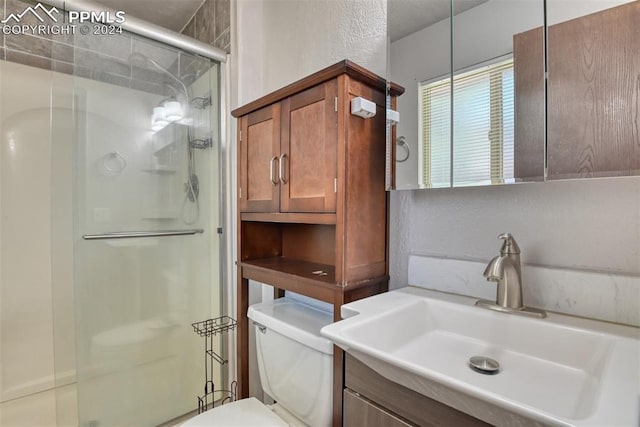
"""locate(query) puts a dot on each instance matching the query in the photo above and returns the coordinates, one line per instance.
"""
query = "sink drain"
(484, 365)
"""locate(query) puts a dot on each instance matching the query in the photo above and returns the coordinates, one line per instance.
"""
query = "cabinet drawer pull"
(272, 177)
(283, 157)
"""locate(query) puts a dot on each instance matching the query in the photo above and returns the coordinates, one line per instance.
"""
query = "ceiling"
(174, 14)
(408, 16)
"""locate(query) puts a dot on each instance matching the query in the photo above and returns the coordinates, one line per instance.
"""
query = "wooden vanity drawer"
(360, 412)
(397, 399)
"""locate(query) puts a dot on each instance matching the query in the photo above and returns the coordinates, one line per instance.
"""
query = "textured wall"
(318, 34)
(582, 224)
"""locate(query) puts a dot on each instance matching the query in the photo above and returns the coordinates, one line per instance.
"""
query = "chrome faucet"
(506, 272)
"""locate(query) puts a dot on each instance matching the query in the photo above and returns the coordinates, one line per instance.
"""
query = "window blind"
(483, 128)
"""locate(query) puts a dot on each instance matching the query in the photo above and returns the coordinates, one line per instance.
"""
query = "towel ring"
(402, 142)
(113, 163)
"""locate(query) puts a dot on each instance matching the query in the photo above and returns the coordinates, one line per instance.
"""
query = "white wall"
(585, 224)
(26, 331)
(280, 41)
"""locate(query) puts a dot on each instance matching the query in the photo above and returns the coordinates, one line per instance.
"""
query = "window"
(483, 127)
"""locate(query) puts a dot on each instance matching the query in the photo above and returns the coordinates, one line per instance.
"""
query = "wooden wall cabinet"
(592, 97)
(289, 159)
(313, 210)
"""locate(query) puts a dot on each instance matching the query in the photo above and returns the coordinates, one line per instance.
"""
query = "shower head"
(138, 58)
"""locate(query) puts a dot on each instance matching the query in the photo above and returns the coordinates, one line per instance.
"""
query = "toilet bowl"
(296, 370)
(242, 413)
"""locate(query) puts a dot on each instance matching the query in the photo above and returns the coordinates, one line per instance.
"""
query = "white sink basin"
(560, 370)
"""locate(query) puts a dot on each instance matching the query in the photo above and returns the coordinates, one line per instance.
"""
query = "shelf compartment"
(293, 275)
(160, 170)
(292, 218)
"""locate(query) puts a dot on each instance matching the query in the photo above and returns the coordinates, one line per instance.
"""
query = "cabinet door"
(308, 150)
(258, 152)
(360, 412)
(593, 95)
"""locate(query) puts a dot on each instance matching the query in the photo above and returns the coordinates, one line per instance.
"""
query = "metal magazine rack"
(209, 329)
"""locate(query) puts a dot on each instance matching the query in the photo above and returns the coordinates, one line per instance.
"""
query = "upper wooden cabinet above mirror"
(503, 121)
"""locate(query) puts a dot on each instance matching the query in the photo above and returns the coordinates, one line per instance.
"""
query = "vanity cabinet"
(374, 401)
(288, 154)
(359, 411)
(313, 210)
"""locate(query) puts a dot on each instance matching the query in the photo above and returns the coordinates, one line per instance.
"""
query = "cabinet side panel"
(260, 240)
(242, 164)
(366, 199)
(528, 64)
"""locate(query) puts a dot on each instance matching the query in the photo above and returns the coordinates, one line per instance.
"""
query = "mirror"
(498, 93)
(593, 89)
(420, 50)
(500, 123)
(467, 135)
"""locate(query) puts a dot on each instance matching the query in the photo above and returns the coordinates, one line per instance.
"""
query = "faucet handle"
(509, 246)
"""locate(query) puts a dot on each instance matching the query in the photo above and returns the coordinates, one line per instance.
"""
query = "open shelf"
(292, 218)
(308, 278)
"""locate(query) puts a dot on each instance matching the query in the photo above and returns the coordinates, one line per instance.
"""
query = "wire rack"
(211, 396)
(209, 329)
(214, 326)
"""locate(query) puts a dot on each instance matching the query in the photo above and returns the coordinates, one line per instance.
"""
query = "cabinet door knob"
(272, 177)
(283, 157)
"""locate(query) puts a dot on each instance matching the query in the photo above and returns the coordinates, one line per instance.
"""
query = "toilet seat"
(241, 413)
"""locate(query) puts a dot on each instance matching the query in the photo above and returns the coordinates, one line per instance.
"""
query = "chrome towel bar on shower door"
(138, 234)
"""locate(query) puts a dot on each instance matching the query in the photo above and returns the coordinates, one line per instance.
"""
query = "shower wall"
(211, 24)
(27, 249)
(26, 332)
(102, 58)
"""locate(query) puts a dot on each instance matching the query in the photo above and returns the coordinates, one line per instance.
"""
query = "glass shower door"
(146, 212)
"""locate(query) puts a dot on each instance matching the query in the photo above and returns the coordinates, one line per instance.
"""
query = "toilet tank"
(294, 361)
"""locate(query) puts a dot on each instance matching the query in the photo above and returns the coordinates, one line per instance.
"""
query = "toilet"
(295, 365)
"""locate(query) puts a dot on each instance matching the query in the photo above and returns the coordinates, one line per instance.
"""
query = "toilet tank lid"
(296, 320)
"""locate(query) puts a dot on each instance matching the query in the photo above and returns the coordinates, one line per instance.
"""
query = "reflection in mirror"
(593, 85)
(485, 135)
(420, 50)
(493, 140)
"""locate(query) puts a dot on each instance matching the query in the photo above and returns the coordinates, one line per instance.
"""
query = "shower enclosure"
(110, 209)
